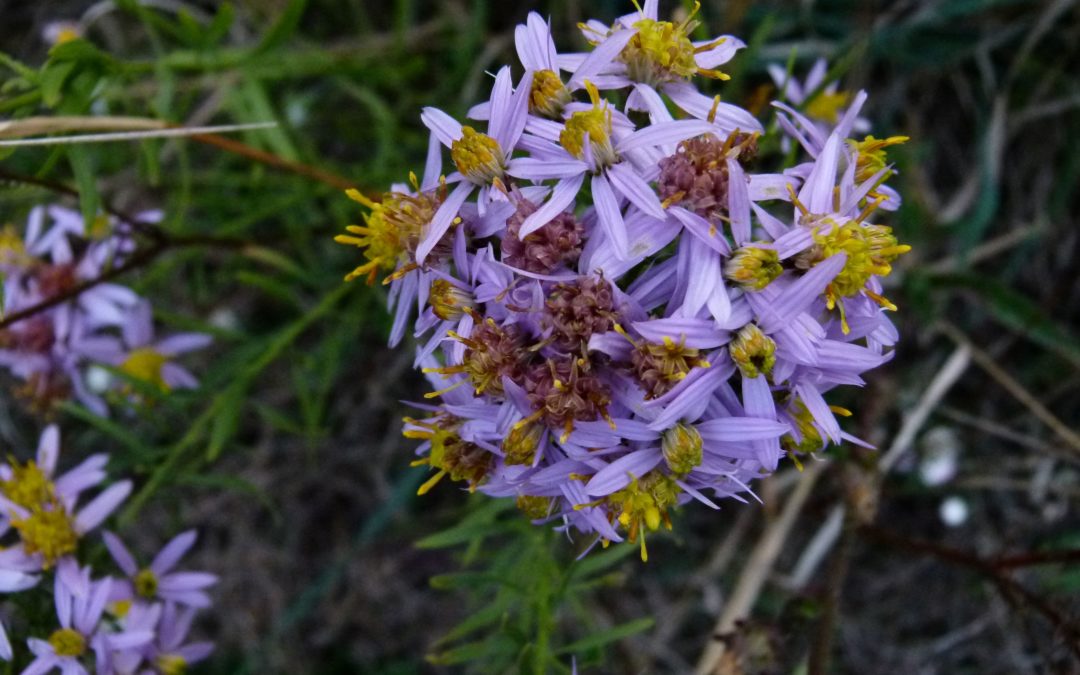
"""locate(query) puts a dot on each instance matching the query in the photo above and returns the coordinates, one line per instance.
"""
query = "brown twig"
(1010, 589)
(1035, 558)
(757, 569)
(139, 259)
(821, 646)
(1011, 385)
(263, 157)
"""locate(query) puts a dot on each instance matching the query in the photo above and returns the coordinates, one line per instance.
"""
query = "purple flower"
(79, 611)
(44, 511)
(480, 158)
(658, 56)
(139, 355)
(157, 581)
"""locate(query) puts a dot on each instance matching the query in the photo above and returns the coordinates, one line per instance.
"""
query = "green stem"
(167, 468)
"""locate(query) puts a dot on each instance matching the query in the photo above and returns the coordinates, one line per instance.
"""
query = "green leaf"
(53, 77)
(1017, 311)
(284, 27)
(597, 562)
(493, 613)
(479, 524)
(610, 635)
(24, 71)
(115, 431)
(473, 651)
(221, 24)
(274, 259)
(82, 166)
(228, 418)
(83, 51)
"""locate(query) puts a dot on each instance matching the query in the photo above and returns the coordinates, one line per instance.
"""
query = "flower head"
(619, 312)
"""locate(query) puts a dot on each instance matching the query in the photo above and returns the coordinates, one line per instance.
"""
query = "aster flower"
(139, 355)
(81, 632)
(659, 56)
(58, 252)
(601, 142)
(825, 107)
(44, 511)
(170, 652)
(480, 158)
(157, 581)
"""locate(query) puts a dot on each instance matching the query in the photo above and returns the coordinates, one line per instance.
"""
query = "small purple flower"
(139, 355)
(79, 611)
(157, 581)
(44, 511)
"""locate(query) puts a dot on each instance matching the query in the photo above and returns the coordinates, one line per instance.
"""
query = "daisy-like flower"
(157, 581)
(826, 106)
(601, 142)
(49, 349)
(659, 56)
(44, 511)
(140, 356)
(170, 653)
(81, 636)
(59, 32)
(480, 158)
(391, 233)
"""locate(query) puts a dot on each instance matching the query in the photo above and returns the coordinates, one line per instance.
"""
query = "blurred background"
(946, 551)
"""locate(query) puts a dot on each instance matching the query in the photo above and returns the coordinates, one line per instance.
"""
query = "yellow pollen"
(681, 445)
(644, 505)
(48, 531)
(869, 248)
(28, 486)
(548, 96)
(120, 608)
(146, 583)
(68, 642)
(450, 454)
(826, 106)
(753, 267)
(392, 230)
(145, 363)
(448, 302)
(809, 437)
(12, 249)
(661, 51)
(99, 227)
(478, 156)
(596, 124)
(534, 508)
(661, 366)
(872, 155)
(171, 664)
(753, 351)
(520, 444)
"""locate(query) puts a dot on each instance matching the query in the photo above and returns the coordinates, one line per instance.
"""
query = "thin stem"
(263, 157)
(139, 259)
(1010, 589)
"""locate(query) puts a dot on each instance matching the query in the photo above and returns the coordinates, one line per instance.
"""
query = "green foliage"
(529, 603)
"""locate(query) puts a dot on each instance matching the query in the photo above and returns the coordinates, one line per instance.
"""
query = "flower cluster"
(619, 311)
(137, 621)
(67, 350)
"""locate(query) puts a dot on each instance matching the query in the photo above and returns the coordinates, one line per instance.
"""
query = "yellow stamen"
(68, 642)
(431, 482)
(478, 156)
